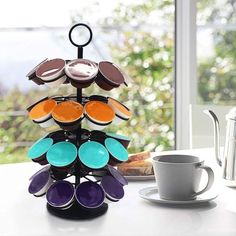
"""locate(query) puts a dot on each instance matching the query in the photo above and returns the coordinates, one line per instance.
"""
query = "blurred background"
(139, 36)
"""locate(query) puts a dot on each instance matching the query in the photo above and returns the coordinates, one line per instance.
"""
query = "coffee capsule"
(117, 151)
(60, 194)
(32, 74)
(81, 72)
(98, 114)
(45, 168)
(38, 150)
(109, 76)
(89, 194)
(117, 175)
(121, 111)
(51, 72)
(68, 115)
(113, 189)
(93, 155)
(62, 155)
(40, 183)
(41, 113)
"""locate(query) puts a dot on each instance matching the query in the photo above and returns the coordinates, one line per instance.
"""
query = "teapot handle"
(215, 120)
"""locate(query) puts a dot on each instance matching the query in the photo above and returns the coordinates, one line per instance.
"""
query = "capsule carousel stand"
(76, 210)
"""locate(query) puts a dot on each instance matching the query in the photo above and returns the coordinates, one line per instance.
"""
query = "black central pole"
(79, 92)
(80, 52)
(78, 133)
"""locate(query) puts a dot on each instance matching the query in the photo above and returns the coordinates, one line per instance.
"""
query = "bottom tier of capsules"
(106, 186)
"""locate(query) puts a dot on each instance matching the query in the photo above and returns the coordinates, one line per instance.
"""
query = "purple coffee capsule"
(113, 189)
(89, 194)
(40, 183)
(60, 194)
(45, 168)
(117, 175)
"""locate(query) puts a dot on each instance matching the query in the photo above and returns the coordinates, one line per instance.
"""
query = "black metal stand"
(76, 211)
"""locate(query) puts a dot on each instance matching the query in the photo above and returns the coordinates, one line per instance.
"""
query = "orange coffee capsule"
(42, 109)
(67, 111)
(119, 108)
(99, 111)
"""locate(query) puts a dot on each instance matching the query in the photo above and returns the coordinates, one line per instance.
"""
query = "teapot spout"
(215, 120)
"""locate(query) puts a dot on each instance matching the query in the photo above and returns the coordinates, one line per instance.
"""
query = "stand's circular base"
(78, 212)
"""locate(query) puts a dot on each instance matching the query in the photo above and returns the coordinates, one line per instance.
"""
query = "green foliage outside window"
(217, 72)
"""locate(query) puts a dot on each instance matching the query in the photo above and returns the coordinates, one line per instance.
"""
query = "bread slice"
(139, 164)
(139, 156)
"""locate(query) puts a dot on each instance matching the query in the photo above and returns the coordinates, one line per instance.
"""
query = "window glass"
(137, 35)
(216, 61)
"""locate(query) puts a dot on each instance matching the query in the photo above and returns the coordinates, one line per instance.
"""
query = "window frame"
(185, 69)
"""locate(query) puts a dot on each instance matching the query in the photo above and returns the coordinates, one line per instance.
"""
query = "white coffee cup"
(178, 176)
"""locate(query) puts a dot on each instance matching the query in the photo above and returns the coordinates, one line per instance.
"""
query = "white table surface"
(25, 215)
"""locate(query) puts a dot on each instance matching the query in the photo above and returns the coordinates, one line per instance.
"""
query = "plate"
(151, 194)
(140, 177)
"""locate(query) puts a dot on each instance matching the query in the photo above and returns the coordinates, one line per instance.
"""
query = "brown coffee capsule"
(109, 76)
(32, 74)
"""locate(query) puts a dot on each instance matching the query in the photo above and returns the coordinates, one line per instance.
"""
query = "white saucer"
(151, 194)
(139, 177)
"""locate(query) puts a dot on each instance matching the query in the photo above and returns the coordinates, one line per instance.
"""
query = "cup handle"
(210, 181)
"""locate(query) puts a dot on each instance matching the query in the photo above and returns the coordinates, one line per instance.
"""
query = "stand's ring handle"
(90, 37)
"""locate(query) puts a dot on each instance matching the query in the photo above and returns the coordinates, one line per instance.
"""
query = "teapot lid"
(231, 115)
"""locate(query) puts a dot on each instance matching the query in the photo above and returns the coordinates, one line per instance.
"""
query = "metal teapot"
(228, 162)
